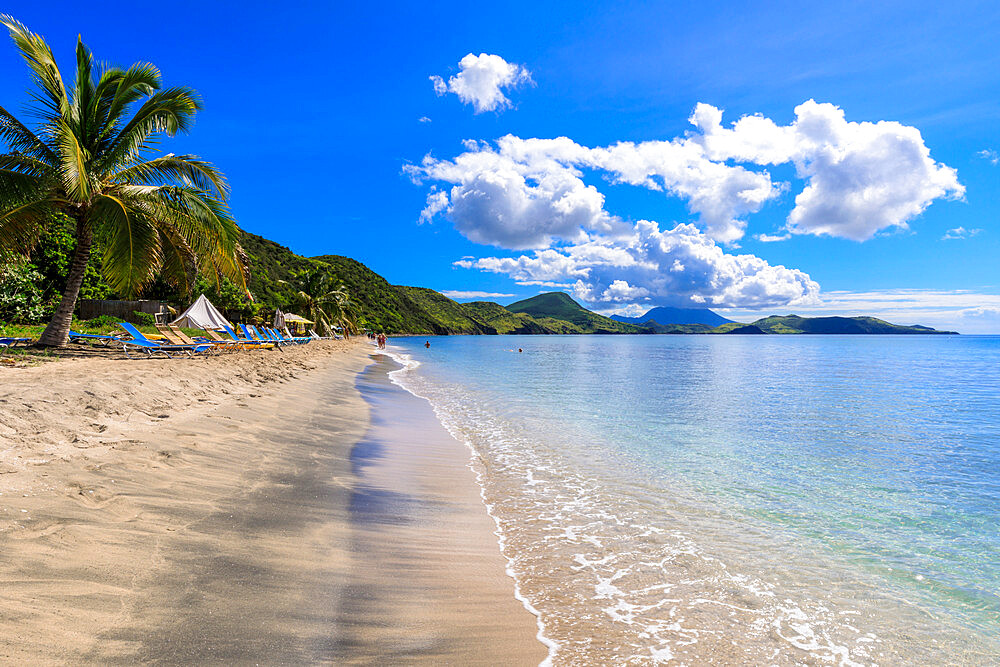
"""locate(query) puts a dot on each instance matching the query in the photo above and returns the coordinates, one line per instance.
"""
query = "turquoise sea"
(736, 499)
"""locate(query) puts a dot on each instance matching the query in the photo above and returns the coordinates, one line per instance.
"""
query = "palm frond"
(28, 165)
(202, 220)
(45, 73)
(19, 138)
(18, 186)
(179, 262)
(21, 224)
(118, 89)
(169, 111)
(171, 169)
(73, 167)
(84, 100)
(129, 244)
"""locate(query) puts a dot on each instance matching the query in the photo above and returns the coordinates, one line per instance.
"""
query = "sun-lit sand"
(210, 510)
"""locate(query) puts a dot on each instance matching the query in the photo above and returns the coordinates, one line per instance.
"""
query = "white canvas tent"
(202, 315)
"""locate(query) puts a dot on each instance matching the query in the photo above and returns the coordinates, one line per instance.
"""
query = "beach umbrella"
(279, 319)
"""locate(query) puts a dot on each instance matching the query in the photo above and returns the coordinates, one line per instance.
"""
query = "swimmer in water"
(427, 344)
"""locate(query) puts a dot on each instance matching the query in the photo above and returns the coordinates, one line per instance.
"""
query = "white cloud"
(681, 266)
(497, 200)
(480, 80)
(525, 193)
(983, 312)
(466, 294)
(959, 233)
(772, 238)
(862, 178)
(437, 201)
(424, 119)
(990, 156)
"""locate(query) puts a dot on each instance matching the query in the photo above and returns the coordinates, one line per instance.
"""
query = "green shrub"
(101, 322)
(20, 296)
(145, 319)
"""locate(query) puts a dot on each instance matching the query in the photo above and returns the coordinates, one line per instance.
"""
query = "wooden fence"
(91, 308)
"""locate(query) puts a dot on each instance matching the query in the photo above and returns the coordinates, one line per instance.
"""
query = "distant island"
(399, 309)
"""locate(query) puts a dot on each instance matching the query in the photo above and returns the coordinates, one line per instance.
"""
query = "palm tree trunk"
(56, 334)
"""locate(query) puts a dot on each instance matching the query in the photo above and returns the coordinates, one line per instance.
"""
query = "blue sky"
(314, 112)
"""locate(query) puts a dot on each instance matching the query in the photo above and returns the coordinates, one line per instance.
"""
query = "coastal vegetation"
(90, 161)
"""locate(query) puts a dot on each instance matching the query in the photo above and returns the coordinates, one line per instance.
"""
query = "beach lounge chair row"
(179, 342)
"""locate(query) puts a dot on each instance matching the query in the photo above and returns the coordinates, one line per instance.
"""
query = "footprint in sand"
(99, 498)
(36, 530)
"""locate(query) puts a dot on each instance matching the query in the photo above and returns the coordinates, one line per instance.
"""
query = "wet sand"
(428, 585)
(240, 510)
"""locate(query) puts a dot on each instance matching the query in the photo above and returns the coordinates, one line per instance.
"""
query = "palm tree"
(91, 159)
(321, 302)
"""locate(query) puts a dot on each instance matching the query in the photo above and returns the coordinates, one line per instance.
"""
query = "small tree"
(320, 301)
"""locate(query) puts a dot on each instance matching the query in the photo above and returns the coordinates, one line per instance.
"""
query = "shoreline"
(455, 603)
(206, 510)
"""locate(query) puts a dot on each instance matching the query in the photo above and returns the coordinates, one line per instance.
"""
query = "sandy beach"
(259, 507)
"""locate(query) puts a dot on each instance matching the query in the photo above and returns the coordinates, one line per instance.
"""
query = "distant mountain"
(552, 308)
(665, 315)
(793, 324)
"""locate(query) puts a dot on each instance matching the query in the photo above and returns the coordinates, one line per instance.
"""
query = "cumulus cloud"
(959, 233)
(862, 178)
(680, 266)
(990, 156)
(480, 81)
(497, 200)
(524, 193)
(467, 294)
(424, 119)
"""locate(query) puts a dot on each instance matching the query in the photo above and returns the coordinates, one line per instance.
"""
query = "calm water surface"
(741, 499)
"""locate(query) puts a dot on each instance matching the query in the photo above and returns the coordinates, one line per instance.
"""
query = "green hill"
(502, 321)
(445, 312)
(556, 309)
(793, 324)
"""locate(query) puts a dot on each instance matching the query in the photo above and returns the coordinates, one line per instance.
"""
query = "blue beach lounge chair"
(248, 340)
(14, 342)
(268, 334)
(150, 347)
(105, 340)
(295, 339)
